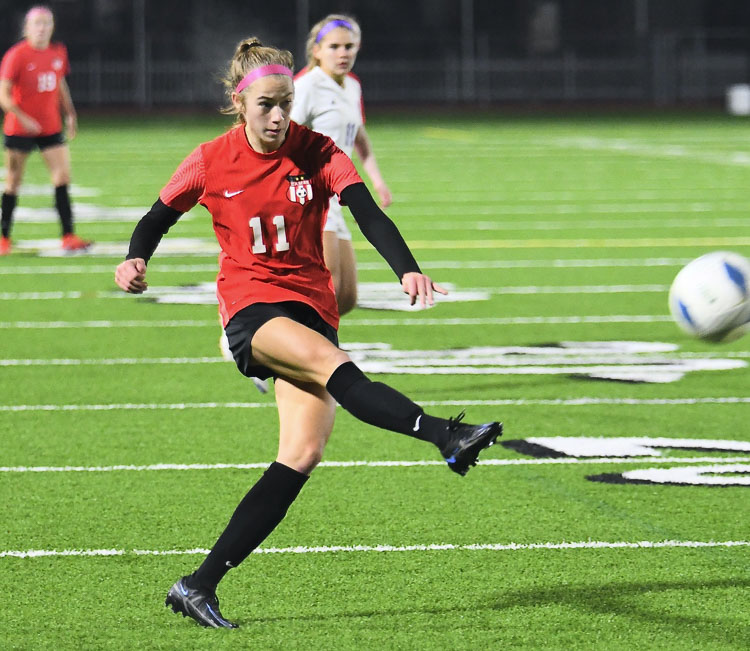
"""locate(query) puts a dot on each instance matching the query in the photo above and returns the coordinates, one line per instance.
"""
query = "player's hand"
(384, 194)
(420, 287)
(130, 276)
(71, 126)
(29, 124)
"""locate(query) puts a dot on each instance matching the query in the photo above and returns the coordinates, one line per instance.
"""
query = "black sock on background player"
(8, 206)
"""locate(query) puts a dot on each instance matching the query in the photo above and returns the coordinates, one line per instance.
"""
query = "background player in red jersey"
(266, 184)
(33, 92)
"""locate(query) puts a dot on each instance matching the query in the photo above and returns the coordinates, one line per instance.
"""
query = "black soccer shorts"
(242, 328)
(26, 144)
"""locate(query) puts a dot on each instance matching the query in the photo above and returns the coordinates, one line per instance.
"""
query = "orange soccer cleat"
(72, 242)
(4, 245)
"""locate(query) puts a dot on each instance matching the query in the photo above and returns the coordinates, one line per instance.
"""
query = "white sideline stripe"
(108, 269)
(186, 323)
(508, 289)
(558, 461)
(163, 266)
(574, 209)
(521, 402)
(495, 547)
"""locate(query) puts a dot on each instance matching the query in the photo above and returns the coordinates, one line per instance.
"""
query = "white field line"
(163, 266)
(567, 461)
(574, 243)
(520, 402)
(478, 321)
(583, 207)
(620, 224)
(649, 150)
(436, 547)
(516, 289)
(109, 269)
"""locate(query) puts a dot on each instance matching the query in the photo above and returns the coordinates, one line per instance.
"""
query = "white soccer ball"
(710, 296)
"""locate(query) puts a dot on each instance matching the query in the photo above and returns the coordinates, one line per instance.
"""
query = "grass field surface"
(615, 514)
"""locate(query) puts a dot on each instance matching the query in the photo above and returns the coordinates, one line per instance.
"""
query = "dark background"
(662, 52)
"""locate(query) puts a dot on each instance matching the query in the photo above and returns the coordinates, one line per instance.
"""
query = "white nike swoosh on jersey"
(416, 425)
(229, 194)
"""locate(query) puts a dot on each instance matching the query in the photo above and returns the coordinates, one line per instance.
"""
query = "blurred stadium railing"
(672, 69)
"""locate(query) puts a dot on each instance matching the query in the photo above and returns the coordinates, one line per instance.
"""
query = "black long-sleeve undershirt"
(375, 225)
(149, 231)
(379, 230)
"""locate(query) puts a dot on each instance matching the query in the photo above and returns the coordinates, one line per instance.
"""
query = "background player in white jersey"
(328, 99)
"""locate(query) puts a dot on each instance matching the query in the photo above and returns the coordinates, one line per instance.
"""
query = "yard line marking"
(39, 296)
(582, 207)
(480, 321)
(371, 464)
(100, 268)
(332, 549)
(509, 289)
(561, 243)
(164, 266)
(635, 148)
(508, 402)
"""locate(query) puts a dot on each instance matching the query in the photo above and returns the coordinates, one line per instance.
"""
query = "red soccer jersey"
(268, 214)
(35, 75)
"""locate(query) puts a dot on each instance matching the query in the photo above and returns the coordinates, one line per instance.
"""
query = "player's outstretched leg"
(199, 603)
(466, 442)
(380, 405)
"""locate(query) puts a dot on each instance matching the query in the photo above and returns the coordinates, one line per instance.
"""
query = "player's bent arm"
(363, 147)
(68, 110)
(383, 234)
(149, 231)
(9, 106)
(130, 275)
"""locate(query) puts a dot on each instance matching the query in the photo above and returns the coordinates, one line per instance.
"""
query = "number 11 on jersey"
(259, 245)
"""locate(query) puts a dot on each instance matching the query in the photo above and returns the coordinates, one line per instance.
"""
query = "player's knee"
(13, 182)
(60, 178)
(335, 358)
(303, 458)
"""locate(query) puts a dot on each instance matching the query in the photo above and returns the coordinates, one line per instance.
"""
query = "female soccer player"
(266, 183)
(328, 99)
(33, 91)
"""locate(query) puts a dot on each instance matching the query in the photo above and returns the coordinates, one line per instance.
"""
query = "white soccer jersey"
(324, 106)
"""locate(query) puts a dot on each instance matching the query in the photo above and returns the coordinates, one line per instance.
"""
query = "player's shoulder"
(228, 139)
(301, 73)
(58, 47)
(353, 79)
(16, 49)
(307, 78)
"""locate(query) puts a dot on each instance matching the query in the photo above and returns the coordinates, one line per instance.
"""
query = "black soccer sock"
(380, 405)
(8, 206)
(256, 516)
(62, 203)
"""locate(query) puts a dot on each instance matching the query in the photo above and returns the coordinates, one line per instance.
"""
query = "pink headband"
(263, 71)
(35, 11)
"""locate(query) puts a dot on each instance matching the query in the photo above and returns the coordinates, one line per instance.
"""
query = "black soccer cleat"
(467, 441)
(201, 605)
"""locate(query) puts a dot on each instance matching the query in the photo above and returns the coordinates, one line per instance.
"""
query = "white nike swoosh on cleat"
(229, 194)
(416, 425)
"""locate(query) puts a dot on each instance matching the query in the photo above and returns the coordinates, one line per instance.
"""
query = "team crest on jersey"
(300, 188)
(57, 64)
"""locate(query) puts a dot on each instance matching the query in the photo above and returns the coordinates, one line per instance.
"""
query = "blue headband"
(333, 24)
